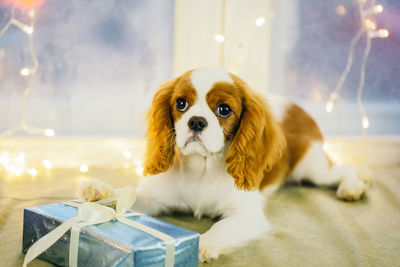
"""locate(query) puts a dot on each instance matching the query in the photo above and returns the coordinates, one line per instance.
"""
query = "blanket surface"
(310, 226)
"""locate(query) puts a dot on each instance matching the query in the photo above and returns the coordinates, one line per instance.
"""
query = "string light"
(127, 154)
(32, 13)
(219, 38)
(32, 172)
(139, 170)
(17, 166)
(84, 168)
(378, 9)
(370, 24)
(369, 30)
(341, 10)
(139, 167)
(330, 152)
(381, 33)
(260, 21)
(26, 71)
(365, 122)
(49, 132)
(47, 164)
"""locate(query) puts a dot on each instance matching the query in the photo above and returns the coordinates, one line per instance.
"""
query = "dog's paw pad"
(207, 250)
(207, 254)
(94, 190)
(351, 189)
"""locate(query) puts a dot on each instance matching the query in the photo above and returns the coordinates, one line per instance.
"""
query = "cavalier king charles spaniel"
(216, 148)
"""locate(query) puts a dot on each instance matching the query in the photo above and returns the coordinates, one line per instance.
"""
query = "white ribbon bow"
(90, 213)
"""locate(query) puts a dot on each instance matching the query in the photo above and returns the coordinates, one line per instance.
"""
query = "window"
(309, 49)
(100, 63)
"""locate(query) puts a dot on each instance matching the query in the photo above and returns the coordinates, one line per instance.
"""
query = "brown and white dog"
(216, 148)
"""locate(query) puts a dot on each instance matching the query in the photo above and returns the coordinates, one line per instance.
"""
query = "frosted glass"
(100, 64)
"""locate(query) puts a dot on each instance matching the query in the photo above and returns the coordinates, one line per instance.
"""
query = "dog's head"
(208, 111)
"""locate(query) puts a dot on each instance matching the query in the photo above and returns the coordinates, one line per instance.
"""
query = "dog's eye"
(224, 111)
(181, 104)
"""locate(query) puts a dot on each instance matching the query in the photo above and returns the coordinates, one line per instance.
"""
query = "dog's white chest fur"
(201, 185)
(207, 189)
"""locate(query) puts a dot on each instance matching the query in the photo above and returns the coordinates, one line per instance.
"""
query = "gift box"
(109, 243)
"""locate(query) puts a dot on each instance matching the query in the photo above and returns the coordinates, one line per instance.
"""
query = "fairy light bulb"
(24, 72)
(365, 122)
(127, 154)
(139, 170)
(341, 10)
(370, 24)
(49, 132)
(84, 168)
(32, 172)
(378, 9)
(47, 164)
(329, 106)
(4, 159)
(219, 38)
(28, 29)
(383, 33)
(260, 21)
(32, 13)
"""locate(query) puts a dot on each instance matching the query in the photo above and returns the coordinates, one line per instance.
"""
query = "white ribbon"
(91, 213)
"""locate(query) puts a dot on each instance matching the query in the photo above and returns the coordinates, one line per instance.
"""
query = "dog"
(216, 148)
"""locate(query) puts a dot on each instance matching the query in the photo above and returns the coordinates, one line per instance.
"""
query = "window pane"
(310, 47)
(99, 64)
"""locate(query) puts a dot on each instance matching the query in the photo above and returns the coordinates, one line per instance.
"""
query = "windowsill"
(373, 151)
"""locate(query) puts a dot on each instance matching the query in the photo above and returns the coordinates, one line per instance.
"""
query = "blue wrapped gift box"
(108, 244)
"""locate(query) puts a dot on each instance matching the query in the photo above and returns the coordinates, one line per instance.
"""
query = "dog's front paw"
(94, 190)
(351, 189)
(208, 250)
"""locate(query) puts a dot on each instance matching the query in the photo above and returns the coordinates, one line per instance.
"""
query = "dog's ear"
(258, 143)
(160, 135)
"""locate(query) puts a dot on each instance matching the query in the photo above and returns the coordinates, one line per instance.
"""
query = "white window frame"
(245, 50)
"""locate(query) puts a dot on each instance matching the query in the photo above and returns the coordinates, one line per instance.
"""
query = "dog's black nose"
(197, 124)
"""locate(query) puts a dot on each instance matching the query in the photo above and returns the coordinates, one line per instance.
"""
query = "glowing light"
(139, 170)
(32, 172)
(329, 106)
(139, 166)
(383, 33)
(47, 164)
(378, 9)
(28, 29)
(341, 10)
(260, 21)
(84, 168)
(326, 146)
(365, 122)
(4, 159)
(49, 132)
(370, 24)
(24, 72)
(127, 154)
(29, 8)
(219, 38)
(32, 13)
(21, 156)
(329, 151)
(369, 29)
